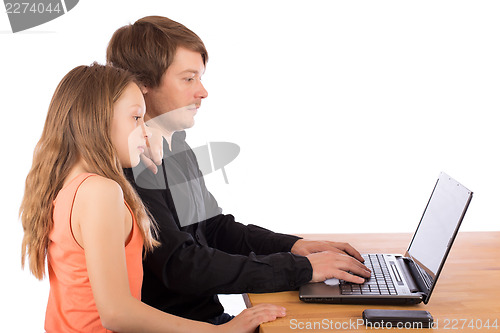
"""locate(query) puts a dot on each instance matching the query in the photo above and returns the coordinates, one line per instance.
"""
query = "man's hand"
(153, 155)
(332, 260)
(327, 265)
(304, 247)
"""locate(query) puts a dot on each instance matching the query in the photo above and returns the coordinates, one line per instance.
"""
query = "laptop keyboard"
(380, 282)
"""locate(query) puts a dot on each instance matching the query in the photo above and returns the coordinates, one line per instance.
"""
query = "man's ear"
(144, 89)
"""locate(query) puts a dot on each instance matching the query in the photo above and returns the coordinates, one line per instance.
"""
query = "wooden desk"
(467, 292)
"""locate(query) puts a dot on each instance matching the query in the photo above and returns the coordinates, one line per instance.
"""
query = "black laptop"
(408, 279)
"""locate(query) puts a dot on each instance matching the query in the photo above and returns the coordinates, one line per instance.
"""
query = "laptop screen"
(439, 224)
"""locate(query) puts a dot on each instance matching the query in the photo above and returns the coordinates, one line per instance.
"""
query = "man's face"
(175, 101)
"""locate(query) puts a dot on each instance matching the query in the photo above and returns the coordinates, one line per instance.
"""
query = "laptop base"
(310, 292)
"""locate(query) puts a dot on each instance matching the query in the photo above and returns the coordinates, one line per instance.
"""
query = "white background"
(345, 112)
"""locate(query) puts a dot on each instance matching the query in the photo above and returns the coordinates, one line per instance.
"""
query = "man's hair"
(147, 47)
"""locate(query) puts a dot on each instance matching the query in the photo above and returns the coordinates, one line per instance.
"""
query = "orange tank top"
(71, 306)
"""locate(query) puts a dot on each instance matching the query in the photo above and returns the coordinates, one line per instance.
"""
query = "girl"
(80, 212)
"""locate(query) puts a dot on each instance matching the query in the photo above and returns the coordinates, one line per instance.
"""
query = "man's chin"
(189, 124)
(188, 127)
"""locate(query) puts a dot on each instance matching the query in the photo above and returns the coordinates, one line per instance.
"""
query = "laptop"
(408, 279)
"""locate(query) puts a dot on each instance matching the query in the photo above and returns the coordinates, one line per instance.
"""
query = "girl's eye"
(137, 118)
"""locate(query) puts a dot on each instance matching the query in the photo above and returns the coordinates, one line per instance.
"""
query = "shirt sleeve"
(224, 233)
(188, 268)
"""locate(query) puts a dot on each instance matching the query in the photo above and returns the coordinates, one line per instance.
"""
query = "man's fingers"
(154, 145)
(360, 269)
(154, 150)
(349, 277)
(331, 264)
(352, 270)
(156, 155)
(353, 252)
(149, 164)
(347, 248)
(352, 265)
(152, 156)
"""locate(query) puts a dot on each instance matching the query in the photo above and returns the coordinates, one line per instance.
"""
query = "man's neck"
(168, 137)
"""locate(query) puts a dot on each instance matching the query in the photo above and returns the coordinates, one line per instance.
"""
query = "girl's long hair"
(77, 127)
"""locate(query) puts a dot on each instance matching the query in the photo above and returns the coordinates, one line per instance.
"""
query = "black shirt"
(198, 260)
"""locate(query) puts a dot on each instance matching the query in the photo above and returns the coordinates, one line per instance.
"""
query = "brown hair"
(77, 127)
(147, 47)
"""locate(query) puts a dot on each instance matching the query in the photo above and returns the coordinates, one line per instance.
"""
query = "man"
(204, 252)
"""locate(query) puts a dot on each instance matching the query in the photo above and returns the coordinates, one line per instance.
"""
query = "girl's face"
(128, 132)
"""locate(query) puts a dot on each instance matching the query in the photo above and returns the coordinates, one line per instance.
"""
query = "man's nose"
(202, 92)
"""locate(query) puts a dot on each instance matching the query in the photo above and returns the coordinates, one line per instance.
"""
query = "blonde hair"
(77, 127)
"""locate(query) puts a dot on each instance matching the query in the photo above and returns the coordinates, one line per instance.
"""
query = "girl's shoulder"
(99, 189)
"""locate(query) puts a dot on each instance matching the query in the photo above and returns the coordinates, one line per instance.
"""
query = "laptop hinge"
(403, 265)
(422, 287)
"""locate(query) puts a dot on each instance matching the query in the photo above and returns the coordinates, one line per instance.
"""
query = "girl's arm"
(99, 217)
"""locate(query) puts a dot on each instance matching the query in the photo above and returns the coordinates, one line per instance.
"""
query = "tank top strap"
(78, 180)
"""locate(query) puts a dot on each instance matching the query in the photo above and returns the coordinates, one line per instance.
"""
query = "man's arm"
(188, 268)
(224, 233)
